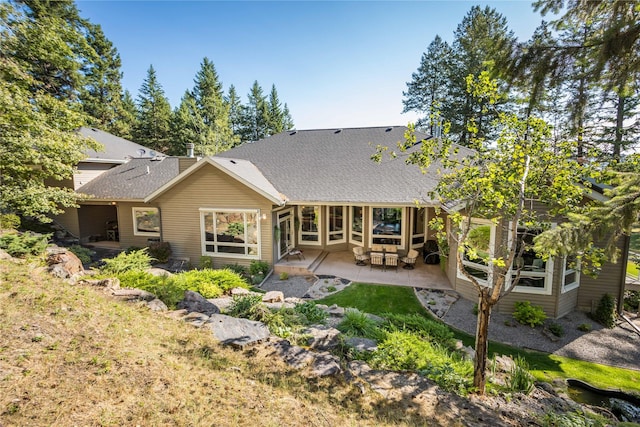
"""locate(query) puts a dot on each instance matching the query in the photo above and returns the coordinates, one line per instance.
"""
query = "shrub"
(606, 311)
(527, 314)
(331, 288)
(585, 327)
(206, 262)
(408, 351)
(160, 251)
(556, 329)
(161, 286)
(311, 312)
(9, 221)
(431, 330)
(357, 323)
(237, 268)
(23, 244)
(258, 268)
(284, 275)
(84, 254)
(243, 305)
(127, 261)
(209, 283)
(631, 300)
(520, 380)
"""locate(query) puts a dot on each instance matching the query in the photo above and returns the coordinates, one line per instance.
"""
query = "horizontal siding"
(125, 225)
(567, 302)
(209, 188)
(593, 289)
(69, 220)
(87, 172)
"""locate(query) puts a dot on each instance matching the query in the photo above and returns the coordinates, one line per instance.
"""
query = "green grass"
(377, 299)
(632, 269)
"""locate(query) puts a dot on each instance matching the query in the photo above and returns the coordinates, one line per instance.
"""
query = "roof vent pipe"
(190, 146)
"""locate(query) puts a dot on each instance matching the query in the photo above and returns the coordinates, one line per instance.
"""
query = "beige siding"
(567, 302)
(185, 163)
(89, 171)
(69, 220)
(125, 225)
(209, 188)
(608, 281)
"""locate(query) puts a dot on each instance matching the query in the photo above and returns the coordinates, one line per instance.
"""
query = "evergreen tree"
(186, 126)
(235, 111)
(101, 95)
(256, 115)
(427, 90)
(287, 120)
(482, 42)
(154, 114)
(275, 123)
(38, 142)
(126, 119)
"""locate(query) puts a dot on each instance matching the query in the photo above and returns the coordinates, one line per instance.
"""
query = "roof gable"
(116, 149)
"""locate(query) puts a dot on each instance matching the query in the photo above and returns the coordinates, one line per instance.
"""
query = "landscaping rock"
(157, 305)
(133, 295)
(273, 296)
(63, 263)
(240, 291)
(223, 303)
(237, 332)
(196, 319)
(155, 271)
(322, 337)
(362, 344)
(177, 314)
(111, 283)
(335, 310)
(279, 305)
(325, 364)
(193, 301)
(292, 355)
(4, 255)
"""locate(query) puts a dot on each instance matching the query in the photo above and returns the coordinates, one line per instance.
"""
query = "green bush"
(311, 312)
(556, 329)
(160, 251)
(359, 324)
(84, 254)
(206, 262)
(527, 314)
(22, 244)
(127, 261)
(408, 351)
(162, 287)
(209, 283)
(258, 268)
(237, 268)
(284, 275)
(585, 327)
(631, 300)
(520, 380)
(243, 305)
(606, 311)
(9, 221)
(426, 328)
(570, 419)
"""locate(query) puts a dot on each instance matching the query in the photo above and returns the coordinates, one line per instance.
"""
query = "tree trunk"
(482, 342)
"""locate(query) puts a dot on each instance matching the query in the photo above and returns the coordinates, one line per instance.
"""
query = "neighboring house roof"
(335, 166)
(115, 149)
(134, 180)
(241, 170)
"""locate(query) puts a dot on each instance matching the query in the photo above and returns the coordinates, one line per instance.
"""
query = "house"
(310, 189)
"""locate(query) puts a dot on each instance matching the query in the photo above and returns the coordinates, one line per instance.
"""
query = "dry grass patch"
(70, 355)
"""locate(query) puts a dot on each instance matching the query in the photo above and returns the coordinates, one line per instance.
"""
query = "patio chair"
(410, 260)
(377, 258)
(293, 251)
(390, 248)
(359, 255)
(391, 260)
(377, 248)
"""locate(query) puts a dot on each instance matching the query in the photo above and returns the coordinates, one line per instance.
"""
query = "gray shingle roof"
(134, 180)
(116, 149)
(334, 165)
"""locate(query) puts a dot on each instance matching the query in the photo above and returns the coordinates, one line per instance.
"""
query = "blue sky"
(335, 63)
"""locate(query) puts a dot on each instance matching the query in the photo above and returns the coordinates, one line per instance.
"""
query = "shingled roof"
(335, 166)
(134, 180)
(116, 149)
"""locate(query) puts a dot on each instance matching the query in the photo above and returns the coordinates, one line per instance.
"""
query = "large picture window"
(357, 217)
(146, 222)
(336, 224)
(478, 250)
(535, 272)
(387, 226)
(230, 233)
(310, 225)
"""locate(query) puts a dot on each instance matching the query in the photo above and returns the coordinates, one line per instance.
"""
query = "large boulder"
(273, 296)
(63, 263)
(235, 331)
(193, 301)
(133, 295)
(322, 337)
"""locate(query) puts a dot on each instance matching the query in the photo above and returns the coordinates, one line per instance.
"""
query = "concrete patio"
(342, 264)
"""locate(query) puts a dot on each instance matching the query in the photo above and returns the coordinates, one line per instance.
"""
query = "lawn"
(378, 299)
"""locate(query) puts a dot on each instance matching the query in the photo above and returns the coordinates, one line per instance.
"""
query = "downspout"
(623, 276)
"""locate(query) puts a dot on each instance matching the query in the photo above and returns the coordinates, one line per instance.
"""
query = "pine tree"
(235, 110)
(186, 126)
(154, 115)
(427, 90)
(126, 117)
(256, 115)
(287, 120)
(275, 123)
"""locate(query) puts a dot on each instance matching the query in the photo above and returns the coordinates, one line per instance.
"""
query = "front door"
(285, 228)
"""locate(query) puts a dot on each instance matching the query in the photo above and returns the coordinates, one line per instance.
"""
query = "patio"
(342, 264)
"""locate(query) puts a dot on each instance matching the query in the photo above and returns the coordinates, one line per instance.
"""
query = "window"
(478, 250)
(357, 217)
(418, 228)
(336, 224)
(146, 222)
(230, 233)
(535, 272)
(387, 226)
(570, 273)
(309, 225)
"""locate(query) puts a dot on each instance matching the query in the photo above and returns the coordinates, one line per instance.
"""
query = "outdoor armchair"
(410, 260)
(359, 255)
